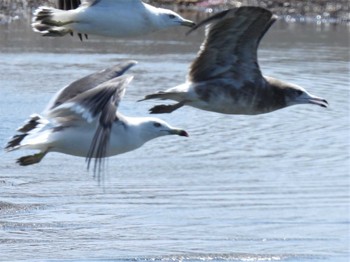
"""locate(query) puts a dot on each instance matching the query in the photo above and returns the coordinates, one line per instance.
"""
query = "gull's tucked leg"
(31, 159)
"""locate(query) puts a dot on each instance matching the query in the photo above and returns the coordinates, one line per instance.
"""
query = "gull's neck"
(140, 127)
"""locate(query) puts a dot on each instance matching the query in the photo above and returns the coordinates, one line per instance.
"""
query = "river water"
(272, 187)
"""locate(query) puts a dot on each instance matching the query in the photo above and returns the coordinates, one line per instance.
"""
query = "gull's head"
(154, 127)
(296, 95)
(168, 18)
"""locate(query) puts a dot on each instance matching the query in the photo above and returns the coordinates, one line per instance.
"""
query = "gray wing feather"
(104, 103)
(89, 82)
(100, 102)
(230, 47)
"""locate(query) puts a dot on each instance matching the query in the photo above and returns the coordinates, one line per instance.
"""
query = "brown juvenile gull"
(82, 120)
(113, 18)
(226, 78)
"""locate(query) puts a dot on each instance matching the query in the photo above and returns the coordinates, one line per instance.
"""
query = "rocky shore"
(319, 11)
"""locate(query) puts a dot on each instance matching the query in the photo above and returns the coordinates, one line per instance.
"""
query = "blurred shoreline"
(310, 11)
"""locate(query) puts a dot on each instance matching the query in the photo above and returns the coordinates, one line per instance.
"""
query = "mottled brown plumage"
(225, 77)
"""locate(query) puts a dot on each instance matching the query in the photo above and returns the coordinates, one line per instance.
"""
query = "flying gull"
(82, 120)
(113, 18)
(226, 78)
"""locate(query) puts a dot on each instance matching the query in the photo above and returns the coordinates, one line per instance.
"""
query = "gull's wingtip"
(132, 62)
(209, 20)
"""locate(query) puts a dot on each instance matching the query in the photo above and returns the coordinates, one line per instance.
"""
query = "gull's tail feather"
(31, 124)
(32, 136)
(163, 95)
(172, 95)
(52, 22)
(159, 95)
(15, 142)
(161, 109)
(34, 122)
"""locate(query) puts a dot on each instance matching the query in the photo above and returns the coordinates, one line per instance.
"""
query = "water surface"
(272, 187)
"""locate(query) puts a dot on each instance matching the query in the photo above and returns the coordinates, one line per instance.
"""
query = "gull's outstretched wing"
(95, 105)
(87, 83)
(229, 49)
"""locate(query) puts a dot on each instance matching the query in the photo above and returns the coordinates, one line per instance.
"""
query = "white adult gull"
(113, 18)
(226, 78)
(82, 120)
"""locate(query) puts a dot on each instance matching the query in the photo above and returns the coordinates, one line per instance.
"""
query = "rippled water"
(273, 187)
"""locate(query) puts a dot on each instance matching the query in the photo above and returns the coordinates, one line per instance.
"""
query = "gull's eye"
(157, 124)
(299, 92)
(171, 16)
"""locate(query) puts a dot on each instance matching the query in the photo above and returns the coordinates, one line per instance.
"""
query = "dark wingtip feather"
(209, 20)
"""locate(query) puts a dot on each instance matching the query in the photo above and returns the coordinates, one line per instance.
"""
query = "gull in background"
(226, 78)
(113, 18)
(82, 120)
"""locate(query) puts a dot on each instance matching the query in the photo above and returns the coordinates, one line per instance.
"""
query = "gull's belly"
(77, 141)
(224, 97)
(72, 141)
(226, 105)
